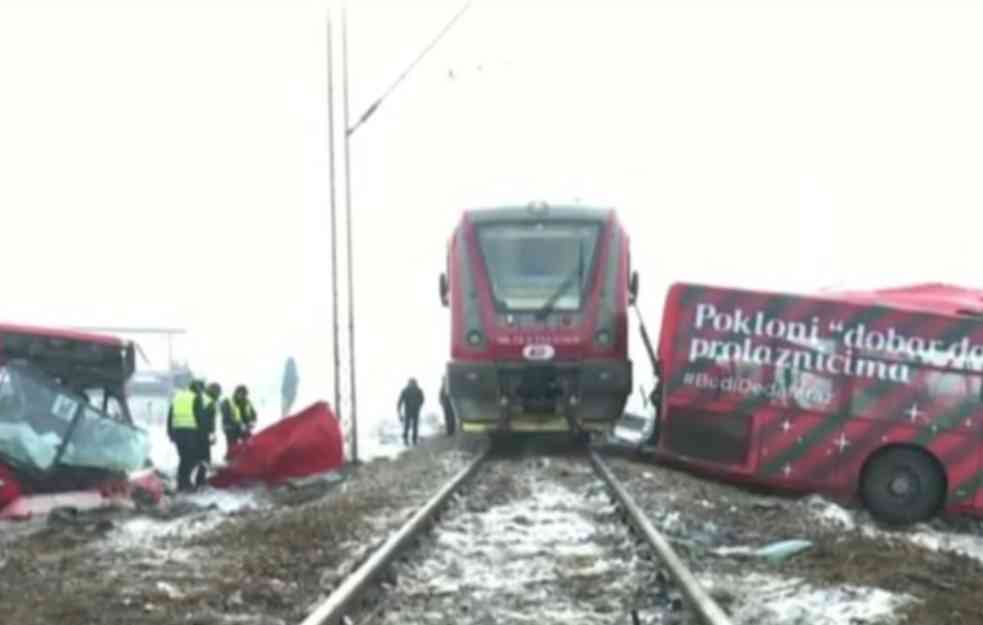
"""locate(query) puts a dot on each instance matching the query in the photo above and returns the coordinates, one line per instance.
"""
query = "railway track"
(542, 538)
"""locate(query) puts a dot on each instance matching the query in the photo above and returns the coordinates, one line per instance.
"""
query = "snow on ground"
(206, 510)
(757, 555)
(922, 534)
(259, 566)
(535, 543)
(521, 559)
(966, 544)
(763, 599)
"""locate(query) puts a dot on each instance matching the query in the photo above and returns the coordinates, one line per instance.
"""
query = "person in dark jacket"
(445, 404)
(238, 416)
(207, 403)
(183, 422)
(408, 407)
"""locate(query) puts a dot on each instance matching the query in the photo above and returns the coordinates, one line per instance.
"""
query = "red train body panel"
(872, 394)
(539, 331)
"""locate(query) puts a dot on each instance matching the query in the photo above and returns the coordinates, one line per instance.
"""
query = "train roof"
(537, 211)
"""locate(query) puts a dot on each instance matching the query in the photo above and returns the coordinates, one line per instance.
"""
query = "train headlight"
(474, 337)
(603, 337)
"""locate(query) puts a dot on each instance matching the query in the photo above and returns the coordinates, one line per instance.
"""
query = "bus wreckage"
(66, 434)
(68, 439)
(875, 396)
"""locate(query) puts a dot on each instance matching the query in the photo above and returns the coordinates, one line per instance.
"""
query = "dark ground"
(259, 567)
(269, 566)
(948, 585)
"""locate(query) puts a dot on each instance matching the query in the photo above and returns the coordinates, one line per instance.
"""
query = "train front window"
(539, 266)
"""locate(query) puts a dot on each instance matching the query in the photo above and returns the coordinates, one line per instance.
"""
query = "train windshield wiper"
(577, 277)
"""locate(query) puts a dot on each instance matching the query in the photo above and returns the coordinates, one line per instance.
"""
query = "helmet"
(214, 389)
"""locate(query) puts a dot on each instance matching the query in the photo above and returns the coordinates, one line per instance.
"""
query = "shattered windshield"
(42, 424)
(532, 266)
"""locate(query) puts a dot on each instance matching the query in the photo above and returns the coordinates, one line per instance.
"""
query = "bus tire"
(902, 486)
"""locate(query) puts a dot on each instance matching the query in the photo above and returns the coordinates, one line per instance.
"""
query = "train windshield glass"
(539, 266)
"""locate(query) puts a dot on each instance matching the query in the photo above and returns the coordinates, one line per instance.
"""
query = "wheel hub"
(903, 484)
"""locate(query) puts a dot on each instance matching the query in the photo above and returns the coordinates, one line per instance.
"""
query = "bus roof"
(933, 297)
(84, 337)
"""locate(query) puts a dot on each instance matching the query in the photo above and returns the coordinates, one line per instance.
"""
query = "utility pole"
(348, 224)
(334, 227)
(349, 130)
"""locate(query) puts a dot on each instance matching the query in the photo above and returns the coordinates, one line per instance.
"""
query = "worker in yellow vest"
(183, 424)
(238, 416)
(206, 431)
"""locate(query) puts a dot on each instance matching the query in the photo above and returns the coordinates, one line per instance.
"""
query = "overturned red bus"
(871, 395)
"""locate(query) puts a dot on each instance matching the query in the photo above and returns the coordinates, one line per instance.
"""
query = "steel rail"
(333, 609)
(707, 609)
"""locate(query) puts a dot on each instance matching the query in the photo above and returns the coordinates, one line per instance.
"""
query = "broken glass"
(44, 425)
(99, 441)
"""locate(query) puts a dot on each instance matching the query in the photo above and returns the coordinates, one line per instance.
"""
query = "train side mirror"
(633, 287)
(443, 289)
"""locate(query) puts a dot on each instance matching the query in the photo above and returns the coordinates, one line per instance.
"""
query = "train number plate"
(538, 352)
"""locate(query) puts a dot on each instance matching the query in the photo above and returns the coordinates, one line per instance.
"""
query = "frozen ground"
(938, 535)
(274, 553)
(192, 514)
(850, 571)
(793, 601)
(218, 558)
(531, 540)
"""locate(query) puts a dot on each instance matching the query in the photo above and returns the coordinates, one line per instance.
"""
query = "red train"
(539, 329)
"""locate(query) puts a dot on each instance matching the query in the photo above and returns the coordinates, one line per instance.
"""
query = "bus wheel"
(902, 486)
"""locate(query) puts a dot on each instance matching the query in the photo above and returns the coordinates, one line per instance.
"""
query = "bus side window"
(948, 391)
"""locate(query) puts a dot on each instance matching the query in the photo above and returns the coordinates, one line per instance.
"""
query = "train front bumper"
(523, 397)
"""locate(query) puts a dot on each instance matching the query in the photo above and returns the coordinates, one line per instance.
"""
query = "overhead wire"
(378, 101)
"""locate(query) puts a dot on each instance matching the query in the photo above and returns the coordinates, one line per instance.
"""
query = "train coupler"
(504, 420)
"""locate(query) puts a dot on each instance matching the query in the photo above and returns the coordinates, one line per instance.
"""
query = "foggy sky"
(166, 163)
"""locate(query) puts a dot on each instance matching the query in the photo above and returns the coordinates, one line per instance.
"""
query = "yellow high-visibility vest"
(237, 412)
(250, 411)
(183, 417)
(234, 409)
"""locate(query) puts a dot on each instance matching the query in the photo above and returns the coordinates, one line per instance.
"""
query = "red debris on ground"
(300, 445)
